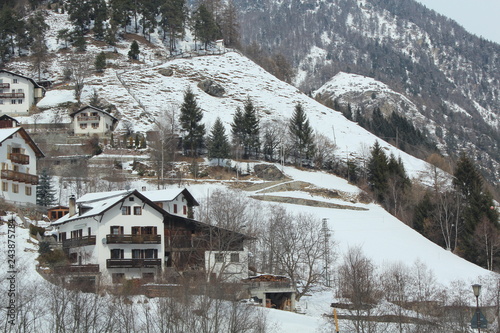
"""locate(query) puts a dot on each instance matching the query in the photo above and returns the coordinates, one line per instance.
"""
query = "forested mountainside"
(452, 76)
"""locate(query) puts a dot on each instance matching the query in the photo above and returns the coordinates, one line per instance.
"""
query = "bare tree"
(396, 282)
(77, 65)
(296, 248)
(325, 150)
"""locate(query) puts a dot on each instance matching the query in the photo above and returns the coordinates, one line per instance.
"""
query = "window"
(131, 199)
(1, 100)
(83, 126)
(20, 91)
(175, 208)
(5, 186)
(137, 210)
(62, 236)
(144, 231)
(15, 188)
(219, 257)
(12, 101)
(27, 190)
(19, 101)
(95, 125)
(116, 253)
(184, 210)
(77, 233)
(116, 230)
(126, 210)
(148, 277)
(145, 254)
(235, 257)
(117, 277)
(14, 80)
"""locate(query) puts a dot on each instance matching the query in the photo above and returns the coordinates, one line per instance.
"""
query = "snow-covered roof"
(6, 133)
(25, 77)
(169, 195)
(93, 108)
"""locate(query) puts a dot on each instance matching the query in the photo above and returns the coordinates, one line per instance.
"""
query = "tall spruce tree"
(45, 193)
(173, 20)
(134, 51)
(477, 203)
(378, 171)
(251, 128)
(217, 143)
(190, 121)
(301, 135)
(204, 25)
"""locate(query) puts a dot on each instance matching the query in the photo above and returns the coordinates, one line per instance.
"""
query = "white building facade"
(19, 156)
(90, 120)
(18, 93)
(122, 235)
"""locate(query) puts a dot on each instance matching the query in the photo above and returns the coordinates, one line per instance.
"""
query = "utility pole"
(326, 243)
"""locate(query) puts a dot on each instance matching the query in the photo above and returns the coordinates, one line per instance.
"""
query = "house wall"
(170, 206)
(227, 270)
(101, 127)
(101, 252)
(20, 105)
(7, 187)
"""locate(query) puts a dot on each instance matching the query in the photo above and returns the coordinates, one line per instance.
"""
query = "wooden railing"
(75, 242)
(133, 239)
(19, 177)
(19, 158)
(12, 95)
(88, 118)
(76, 269)
(4, 85)
(132, 263)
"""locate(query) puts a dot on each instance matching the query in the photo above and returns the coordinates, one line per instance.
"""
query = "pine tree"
(251, 129)
(378, 171)
(134, 51)
(100, 62)
(173, 20)
(204, 26)
(218, 145)
(45, 194)
(190, 119)
(301, 135)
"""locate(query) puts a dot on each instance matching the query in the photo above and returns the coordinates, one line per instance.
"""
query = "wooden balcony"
(12, 95)
(88, 118)
(133, 263)
(133, 239)
(76, 269)
(19, 177)
(4, 85)
(19, 158)
(76, 242)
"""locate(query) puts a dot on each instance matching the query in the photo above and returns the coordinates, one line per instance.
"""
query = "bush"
(53, 258)
(34, 230)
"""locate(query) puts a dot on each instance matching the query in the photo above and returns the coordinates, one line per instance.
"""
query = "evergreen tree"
(36, 29)
(251, 128)
(238, 131)
(173, 20)
(476, 205)
(378, 171)
(204, 27)
(218, 145)
(190, 119)
(100, 62)
(45, 193)
(134, 51)
(230, 26)
(99, 15)
(301, 135)
(121, 13)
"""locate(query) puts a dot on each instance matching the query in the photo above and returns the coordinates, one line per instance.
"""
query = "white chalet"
(19, 155)
(120, 235)
(18, 93)
(90, 120)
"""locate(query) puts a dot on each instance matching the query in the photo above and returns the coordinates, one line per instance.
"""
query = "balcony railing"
(76, 269)
(19, 177)
(76, 242)
(19, 158)
(88, 118)
(132, 263)
(12, 95)
(133, 239)
(4, 85)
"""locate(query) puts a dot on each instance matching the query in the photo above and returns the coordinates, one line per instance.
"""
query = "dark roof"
(25, 77)
(94, 108)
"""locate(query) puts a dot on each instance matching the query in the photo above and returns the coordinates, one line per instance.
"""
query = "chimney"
(72, 205)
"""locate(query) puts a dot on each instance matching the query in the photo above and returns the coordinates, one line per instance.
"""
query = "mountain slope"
(452, 76)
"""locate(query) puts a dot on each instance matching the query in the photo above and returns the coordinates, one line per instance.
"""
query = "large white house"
(19, 155)
(120, 235)
(18, 93)
(90, 120)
